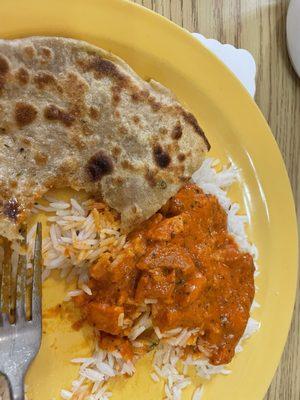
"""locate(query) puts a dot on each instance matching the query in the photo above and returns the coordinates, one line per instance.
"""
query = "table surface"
(258, 26)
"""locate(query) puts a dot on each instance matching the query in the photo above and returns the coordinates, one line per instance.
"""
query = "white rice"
(65, 394)
(76, 240)
(179, 339)
(165, 363)
(150, 301)
(97, 370)
(198, 393)
(143, 323)
(154, 377)
(121, 320)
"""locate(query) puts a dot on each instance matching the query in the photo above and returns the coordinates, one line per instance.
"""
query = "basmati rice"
(198, 393)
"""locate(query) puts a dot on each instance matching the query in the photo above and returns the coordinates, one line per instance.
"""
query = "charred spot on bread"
(116, 151)
(4, 65)
(127, 165)
(139, 95)
(4, 68)
(123, 130)
(54, 113)
(150, 178)
(177, 131)
(29, 52)
(103, 67)
(181, 157)
(46, 53)
(161, 157)
(43, 79)
(22, 76)
(99, 165)
(13, 183)
(94, 113)
(11, 209)
(136, 119)
(155, 105)
(116, 98)
(163, 131)
(40, 158)
(25, 114)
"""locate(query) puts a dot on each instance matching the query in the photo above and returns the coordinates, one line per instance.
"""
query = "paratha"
(74, 115)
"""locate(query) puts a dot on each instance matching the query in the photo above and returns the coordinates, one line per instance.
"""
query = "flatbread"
(73, 115)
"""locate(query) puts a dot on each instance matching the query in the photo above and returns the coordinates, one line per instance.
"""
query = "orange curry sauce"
(185, 259)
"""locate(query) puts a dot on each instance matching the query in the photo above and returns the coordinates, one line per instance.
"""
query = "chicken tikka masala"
(189, 271)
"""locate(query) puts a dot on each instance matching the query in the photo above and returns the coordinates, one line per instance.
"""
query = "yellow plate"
(156, 48)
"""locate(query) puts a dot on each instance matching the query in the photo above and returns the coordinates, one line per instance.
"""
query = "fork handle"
(16, 386)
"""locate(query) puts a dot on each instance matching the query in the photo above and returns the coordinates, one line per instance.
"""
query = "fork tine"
(4, 319)
(37, 276)
(21, 281)
(21, 289)
(1, 290)
(5, 291)
(1, 279)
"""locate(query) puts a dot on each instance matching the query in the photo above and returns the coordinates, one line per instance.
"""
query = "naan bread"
(73, 115)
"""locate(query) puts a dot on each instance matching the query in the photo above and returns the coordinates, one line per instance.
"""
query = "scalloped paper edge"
(239, 61)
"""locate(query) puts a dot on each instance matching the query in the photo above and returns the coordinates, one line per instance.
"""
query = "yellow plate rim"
(186, 44)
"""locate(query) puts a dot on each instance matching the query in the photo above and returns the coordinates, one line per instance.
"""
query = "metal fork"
(20, 335)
